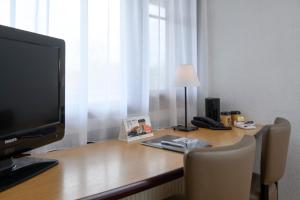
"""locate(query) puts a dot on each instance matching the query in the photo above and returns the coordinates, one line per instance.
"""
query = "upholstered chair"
(221, 173)
(274, 150)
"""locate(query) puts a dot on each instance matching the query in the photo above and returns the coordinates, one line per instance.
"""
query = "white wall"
(254, 66)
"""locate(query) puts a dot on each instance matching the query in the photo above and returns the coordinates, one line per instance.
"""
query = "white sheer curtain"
(202, 51)
(121, 57)
(173, 41)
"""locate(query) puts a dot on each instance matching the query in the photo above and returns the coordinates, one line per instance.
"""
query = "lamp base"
(184, 128)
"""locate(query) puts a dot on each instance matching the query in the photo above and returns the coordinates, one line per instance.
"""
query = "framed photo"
(135, 128)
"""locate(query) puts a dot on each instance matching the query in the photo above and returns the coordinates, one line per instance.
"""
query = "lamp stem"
(185, 105)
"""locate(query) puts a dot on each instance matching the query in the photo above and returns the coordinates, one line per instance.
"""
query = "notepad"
(175, 143)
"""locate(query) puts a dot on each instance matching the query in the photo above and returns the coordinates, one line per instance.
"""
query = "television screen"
(29, 86)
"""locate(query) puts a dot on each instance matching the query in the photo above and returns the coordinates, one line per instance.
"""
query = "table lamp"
(186, 76)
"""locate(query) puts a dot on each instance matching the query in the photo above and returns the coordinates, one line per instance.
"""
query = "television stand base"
(16, 170)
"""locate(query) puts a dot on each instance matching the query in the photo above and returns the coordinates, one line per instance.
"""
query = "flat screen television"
(32, 101)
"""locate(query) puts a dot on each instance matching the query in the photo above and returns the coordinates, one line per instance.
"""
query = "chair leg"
(276, 183)
(264, 192)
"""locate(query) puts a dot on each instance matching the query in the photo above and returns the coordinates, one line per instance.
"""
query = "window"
(5, 12)
(104, 51)
(157, 44)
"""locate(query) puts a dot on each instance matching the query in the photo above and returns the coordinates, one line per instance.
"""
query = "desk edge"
(136, 187)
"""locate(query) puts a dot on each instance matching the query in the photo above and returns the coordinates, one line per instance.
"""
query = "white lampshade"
(186, 76)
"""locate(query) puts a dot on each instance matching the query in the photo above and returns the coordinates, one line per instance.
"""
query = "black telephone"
(205, 122)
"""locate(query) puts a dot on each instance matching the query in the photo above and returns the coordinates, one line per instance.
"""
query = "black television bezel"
(29, 139)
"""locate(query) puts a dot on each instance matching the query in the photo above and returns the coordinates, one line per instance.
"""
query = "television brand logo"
(10, 140)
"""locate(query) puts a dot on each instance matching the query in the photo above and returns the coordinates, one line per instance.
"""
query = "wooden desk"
(113, 169)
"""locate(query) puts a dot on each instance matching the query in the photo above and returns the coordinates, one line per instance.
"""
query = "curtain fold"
(176, 44)
(202, 54)
(121, 59)
(134, 54)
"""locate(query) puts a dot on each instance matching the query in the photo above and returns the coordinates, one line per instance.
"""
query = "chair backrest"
(275, 143)
(220, 173)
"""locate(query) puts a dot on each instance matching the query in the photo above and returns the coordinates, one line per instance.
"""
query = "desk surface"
(113, 168)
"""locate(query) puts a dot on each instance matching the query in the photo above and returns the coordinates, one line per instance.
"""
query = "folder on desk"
(175, 143)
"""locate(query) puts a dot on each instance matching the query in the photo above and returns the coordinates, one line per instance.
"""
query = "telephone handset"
(205, 122)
